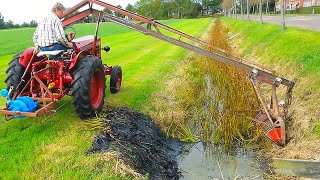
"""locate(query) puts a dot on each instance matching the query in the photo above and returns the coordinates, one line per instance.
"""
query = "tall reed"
(214, 101)
(227, 99)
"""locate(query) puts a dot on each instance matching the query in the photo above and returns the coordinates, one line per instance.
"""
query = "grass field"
(57, 148)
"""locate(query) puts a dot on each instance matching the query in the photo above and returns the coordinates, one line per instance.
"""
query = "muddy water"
(204, 162)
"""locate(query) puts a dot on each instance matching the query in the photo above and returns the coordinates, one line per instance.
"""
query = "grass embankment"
(295, 55)
(57, 148)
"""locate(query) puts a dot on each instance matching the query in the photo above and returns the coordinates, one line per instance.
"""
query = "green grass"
(57, 148)
(272, 44)
(317, 129)
(13, 41)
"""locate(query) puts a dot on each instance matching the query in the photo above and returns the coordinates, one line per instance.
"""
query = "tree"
(260, 12)
(24, 24)
(228, 6)
(156, 9)
(9, 24)
(108, 11)
(118, 14)
(130, 8)
(248, 10)
(189, 8)
(164, 9)
(241, 9)
(143, 7)
(214, 5)
(283, 11)
(33, 23)
(2, 23)
(169, 9)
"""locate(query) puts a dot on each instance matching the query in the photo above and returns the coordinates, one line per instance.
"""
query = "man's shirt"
(49, 31)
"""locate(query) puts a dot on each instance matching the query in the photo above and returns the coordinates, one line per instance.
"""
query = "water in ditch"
(210, 161)
(200, 161)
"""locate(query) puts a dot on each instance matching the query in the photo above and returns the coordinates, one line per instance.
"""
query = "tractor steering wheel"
(71, 33)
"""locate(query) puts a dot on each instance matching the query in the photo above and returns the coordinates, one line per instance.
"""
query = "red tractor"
(77, 72)
(36, 83)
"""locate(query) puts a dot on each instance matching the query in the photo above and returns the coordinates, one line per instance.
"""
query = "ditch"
(199, 127)
(144, 147)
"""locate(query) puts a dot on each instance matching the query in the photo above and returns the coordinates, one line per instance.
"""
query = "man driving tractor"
(49, 35)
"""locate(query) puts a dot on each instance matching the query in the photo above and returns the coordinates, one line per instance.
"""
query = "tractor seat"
(50, 53)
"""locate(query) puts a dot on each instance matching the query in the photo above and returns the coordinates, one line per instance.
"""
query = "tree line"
(246, 7)
(250, 6)
(166, 9)
(155, 9)
(10, 24)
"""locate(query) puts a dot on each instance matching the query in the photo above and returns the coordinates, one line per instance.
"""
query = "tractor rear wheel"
(88, 87)
(14, 74)
(115, 79)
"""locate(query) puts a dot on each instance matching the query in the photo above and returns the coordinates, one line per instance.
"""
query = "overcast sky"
(20, 11)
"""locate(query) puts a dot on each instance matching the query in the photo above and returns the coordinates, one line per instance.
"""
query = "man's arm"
(35, 37)
(35, 41)
(60, 34)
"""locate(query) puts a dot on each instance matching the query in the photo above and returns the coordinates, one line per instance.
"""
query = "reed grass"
(214, 101)
(227, 97)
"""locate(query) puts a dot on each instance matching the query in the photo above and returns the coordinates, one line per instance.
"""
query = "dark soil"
(140, 143)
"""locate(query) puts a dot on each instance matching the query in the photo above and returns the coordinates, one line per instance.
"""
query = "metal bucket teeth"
(272, 130)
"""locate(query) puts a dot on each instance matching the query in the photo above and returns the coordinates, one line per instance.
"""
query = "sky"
(20, 11)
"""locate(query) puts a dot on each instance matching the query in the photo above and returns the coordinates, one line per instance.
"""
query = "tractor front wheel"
(88, 86)
(115, 79)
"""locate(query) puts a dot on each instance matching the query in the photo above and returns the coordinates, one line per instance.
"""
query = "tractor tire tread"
(81, 86)
(113, 79)
(14, 73)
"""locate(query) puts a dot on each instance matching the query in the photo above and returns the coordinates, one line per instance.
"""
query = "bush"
(308, 10)
(295, 11)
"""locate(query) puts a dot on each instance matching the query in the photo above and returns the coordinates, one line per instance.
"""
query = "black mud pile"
(140, 143)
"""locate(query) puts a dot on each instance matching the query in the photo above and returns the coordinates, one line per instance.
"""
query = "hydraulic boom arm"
(263, 75)
(273, 124)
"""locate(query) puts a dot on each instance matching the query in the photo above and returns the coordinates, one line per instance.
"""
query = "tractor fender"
(26, 57)
(76, 59)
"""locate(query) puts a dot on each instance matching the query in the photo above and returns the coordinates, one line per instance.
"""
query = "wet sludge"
(140, 142)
